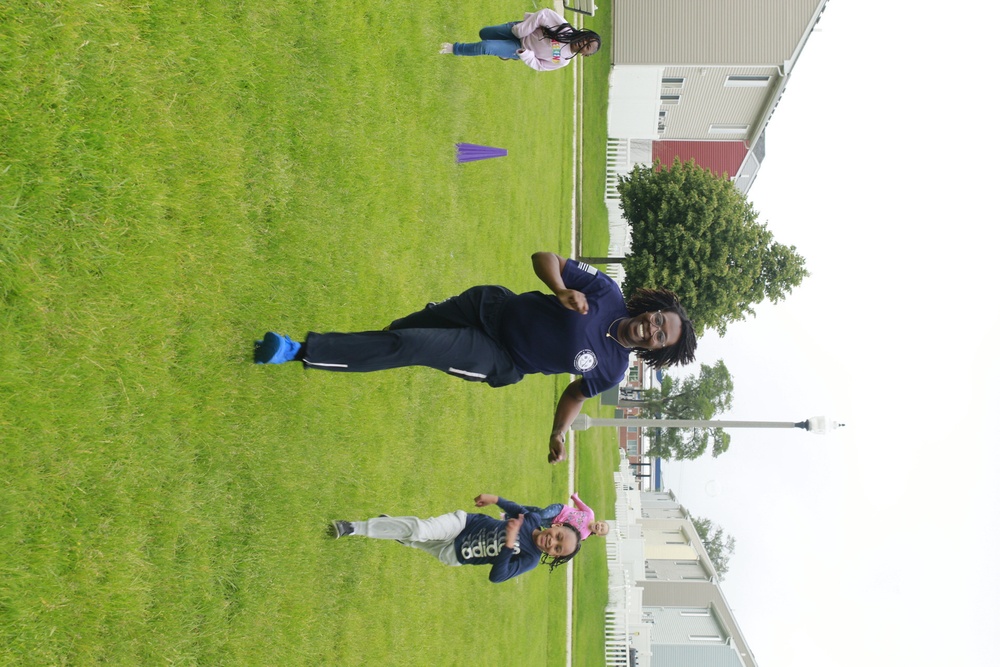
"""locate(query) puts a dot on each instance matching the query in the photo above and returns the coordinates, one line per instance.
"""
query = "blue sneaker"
(275, 349)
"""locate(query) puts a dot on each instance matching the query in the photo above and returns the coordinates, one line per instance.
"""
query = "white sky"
(873, 545)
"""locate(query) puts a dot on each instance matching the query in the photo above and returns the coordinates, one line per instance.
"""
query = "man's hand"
(513, 527)
(573, 300)
(557, 452)
(484, 499)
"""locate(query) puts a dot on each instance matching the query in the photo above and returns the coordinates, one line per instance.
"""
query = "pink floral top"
(580, 518)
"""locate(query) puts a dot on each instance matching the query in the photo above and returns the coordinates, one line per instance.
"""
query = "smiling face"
(557, 540)
(650, 331)
(600, 528)
(587, 48)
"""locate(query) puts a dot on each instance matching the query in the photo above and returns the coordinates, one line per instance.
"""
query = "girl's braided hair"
(555, 561)
(682, 352)
(567, 34)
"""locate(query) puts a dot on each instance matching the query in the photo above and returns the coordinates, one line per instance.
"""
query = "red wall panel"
(717, 156)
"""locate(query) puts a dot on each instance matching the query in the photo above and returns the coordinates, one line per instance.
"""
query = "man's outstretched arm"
(569, 406)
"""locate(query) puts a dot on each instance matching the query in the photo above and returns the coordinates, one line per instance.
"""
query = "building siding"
(693, 656)
(670, 552)
(669, 627)
(696, 594)
(719, 157)
(705, 99)
(709, 32)
(676, 570)
(680, 594)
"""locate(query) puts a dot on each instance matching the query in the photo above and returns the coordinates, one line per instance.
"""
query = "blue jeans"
(497, 40)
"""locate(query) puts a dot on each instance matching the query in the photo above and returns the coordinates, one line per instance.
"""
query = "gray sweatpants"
(436, 535)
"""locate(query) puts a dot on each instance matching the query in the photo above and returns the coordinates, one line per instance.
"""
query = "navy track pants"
(458, 336)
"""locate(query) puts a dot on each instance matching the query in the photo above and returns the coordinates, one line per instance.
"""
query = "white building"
(665, 606)
(699, 80)
(705, 71)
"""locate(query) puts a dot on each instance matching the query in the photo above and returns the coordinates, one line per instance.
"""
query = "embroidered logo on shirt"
(557, 50)
(585, 361)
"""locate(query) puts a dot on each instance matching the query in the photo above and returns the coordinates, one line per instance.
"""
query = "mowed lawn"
(177, 178)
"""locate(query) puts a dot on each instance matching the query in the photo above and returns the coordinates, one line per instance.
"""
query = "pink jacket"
(541, 53)
(580, 518)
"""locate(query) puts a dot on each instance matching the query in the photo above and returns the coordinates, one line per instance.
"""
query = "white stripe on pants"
(436, 535)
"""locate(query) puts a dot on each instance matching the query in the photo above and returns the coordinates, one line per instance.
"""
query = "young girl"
(581, 518)
(542, 41)
(511, 547)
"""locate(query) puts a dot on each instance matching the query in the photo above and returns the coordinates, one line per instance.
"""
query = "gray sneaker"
(339, 529)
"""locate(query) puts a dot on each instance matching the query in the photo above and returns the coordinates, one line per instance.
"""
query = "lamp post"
(817, 425)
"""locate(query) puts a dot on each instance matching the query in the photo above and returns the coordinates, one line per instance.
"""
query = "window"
(694, 612)
(705, 638)
(633, 429)
(671, 82)
(739, 81)
(717, 128)
(670, 99)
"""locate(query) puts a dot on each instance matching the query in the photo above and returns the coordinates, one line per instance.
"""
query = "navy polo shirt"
(543, 336)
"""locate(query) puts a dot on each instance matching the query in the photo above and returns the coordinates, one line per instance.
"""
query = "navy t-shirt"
(543, 336)
(484, 539)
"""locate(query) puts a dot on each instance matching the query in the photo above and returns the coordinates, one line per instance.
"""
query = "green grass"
(177, 178)
(597, 449)
(597, 458)
(596, 69)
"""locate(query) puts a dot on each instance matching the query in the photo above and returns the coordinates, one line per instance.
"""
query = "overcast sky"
(873, 545)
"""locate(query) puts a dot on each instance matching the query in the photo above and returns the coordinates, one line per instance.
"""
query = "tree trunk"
(601, 260)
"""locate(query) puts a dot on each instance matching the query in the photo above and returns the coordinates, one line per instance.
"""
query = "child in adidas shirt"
(510, 547)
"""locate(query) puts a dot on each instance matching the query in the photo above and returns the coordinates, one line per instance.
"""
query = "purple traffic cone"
(473, 152)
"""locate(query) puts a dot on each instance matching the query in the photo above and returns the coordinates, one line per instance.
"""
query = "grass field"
(597, 454)
(594, 87)
(176, 179)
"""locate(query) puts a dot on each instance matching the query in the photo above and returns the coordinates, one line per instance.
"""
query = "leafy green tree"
(692, 397)
(693, 232)
(720, 547)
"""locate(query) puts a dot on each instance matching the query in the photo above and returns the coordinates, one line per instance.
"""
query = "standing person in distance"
(543, 41)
